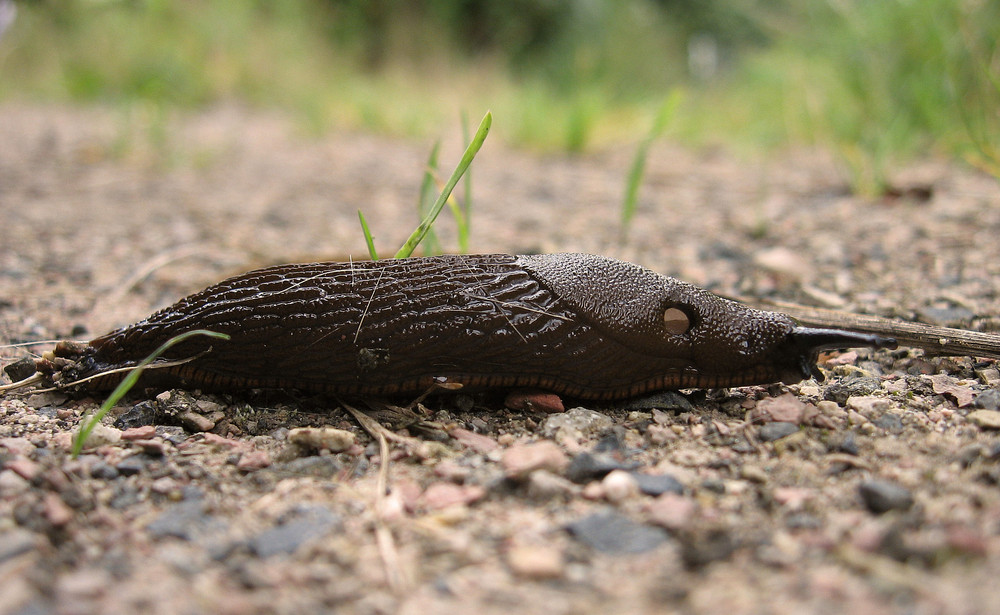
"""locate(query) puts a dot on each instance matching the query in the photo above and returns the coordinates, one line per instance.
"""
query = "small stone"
(18, 446)
(575, 424)
(614, 533)
(657, 484)
(784, 409)
(56, 511)
(988, 400)
(145, 432)
(868, 406)
(186, 520)
(849, 444)
(102, 435)
(671, 511)
(140, 415)
(25, 468)
(775, 431)
(544, 485)
(619, 486)
(192, 421)
(665, 400)
(20, 369)
(702, 548)
(16, 541)
(477, 442)
(520, 460)
(103, 471)
(533, 401)
(12, 483)
(948, 386)
(882, 496)
(890, 422)
(792, 498)
(536, 562)
(444, 495)
(131, 465)
(753, 473)
(253, 460)
(321, 438)
(586, 467)
(312, 523)
(985, 419)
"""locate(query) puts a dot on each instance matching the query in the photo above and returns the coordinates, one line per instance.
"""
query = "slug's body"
(579, 325)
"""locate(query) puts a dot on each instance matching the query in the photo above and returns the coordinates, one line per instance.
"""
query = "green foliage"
(875, 81)
(638, 167)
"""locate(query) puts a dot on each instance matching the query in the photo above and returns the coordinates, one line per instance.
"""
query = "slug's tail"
(808, 342)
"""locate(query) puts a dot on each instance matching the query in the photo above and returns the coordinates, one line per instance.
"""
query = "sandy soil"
(875, 491)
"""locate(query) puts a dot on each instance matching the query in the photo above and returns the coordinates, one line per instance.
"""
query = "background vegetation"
(877, 82)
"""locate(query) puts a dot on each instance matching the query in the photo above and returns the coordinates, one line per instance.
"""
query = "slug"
(579, 325)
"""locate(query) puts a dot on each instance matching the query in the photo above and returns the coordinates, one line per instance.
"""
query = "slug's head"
(705, 340)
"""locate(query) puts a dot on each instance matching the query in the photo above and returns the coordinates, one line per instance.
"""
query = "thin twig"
(942, 341)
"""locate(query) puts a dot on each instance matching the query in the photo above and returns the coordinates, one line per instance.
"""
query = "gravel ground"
(874, 491)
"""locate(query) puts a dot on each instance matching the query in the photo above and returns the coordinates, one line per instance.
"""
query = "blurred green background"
(877, 82)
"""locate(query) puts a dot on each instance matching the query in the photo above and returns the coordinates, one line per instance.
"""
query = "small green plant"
(445, 197)
(638, 168)
(88, 422)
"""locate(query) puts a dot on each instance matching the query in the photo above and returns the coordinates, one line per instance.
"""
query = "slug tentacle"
(576, 324)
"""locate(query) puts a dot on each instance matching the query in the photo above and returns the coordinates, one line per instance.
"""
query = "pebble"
(657, 484)
(17, 446)
(703, 548)
(477, 442)
(586, 467)
(308, 524)
(253, 460)
(56, 512)
(849, 444)
(944, 384)
(145, 432)
(533, 401)
(775, 431)
(544, 485)
(439, 496)
(521, 460)
(140, 415)
(16, 541)
(321, 438)
(131, 465)
(784, 409)
(753, 473)
(891, 422)
(988, 400)
(671, 511)
(12, 483)
(985, 419)
(666, 400)
(536, 562)
(102, 435)
(882, 496)
(619, 486)
(615, 533)
(575, 424)
(868, 406)
(192, 421)
(25, 468)
(186, 520)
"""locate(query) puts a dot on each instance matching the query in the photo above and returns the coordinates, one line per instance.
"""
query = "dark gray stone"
(142, 414)
(988, 400)
(131, 465)
(186, 520)
(614, 533)
(849, 444)
(104, 471)
(893, 423)
(882, 496)
(285, 538)
(657, 484)
(775, 431)
(586, 467)
(667, 400)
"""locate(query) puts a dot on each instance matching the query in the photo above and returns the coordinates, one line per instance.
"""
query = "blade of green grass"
(369, 240)
(88, 423)
(470, 153)
(466, 224)
(427, 194)
(638, 168)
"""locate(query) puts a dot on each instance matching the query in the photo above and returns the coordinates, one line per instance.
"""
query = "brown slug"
(580, 325)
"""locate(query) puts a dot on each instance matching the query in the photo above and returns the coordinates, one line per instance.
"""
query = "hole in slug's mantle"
(676, 321)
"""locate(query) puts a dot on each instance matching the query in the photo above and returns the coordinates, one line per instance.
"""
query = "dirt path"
(757, 500)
